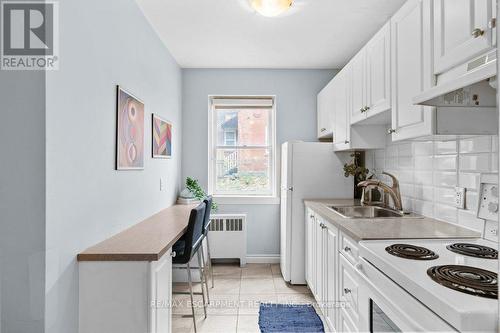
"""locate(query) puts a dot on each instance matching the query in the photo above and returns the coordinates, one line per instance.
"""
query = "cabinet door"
(358, 87)
(331, 261)
(461, 31)
(411, 70)
(161, 295)
(318, 269)
(325, 111)
(341, 133)
(378, 71)
(309, 247)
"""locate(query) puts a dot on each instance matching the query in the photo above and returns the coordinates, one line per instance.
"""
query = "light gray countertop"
(393, 228)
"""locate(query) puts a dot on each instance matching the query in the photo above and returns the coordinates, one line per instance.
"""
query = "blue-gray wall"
(295, 92)
(102, 44)
(22, 201)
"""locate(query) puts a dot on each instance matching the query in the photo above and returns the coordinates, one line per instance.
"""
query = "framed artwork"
(162, 138)
(129, 131)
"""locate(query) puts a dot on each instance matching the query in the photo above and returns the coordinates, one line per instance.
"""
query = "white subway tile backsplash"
(423, 178)
(405, 162)
(469, 220)
(445, 147)
(494, 162)
(405, 149)
(429, 171)
(445, 162)
(423, 162)
(425, 208)
(445, 179)
(480, 144)
(445, 213)
(444, 195)
(475, 162)
(424, 193)
(494, 143)
(469, 180)
(424, 148)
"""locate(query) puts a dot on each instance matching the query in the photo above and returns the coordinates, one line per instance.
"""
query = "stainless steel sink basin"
(370, 212)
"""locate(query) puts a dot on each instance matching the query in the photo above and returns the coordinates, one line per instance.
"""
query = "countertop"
(394, 228)
(145, 241)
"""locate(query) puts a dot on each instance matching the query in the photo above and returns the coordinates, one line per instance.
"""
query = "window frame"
(258, 198)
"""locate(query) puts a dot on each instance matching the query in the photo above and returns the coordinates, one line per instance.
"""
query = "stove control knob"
(494, 191)
(493, 207)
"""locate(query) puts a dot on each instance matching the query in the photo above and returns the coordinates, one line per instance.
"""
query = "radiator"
(228, 237)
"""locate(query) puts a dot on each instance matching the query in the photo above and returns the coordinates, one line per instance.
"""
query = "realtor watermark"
(29, 35)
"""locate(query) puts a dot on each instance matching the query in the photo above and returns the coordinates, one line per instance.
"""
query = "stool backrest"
(194, 233)
(208, 209)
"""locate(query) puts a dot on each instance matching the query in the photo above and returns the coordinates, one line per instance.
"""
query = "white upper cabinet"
(358, 87)
(325, 111)
(378, 72)
(463, 30)
(411, 60)
(345, 135)
(341, 101)
(371, 79)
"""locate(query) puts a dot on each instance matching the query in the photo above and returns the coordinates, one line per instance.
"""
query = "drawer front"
(349, 249)
(346, 323)
(349, 287)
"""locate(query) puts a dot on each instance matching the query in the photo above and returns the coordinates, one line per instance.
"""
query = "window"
(242, 146)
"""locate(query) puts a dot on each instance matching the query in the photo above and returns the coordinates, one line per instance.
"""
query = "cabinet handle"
(391, 130)
(311, 216)
(173, 254)
(346, 141)
(362, 110)
(493, 23)
(347, 249)
(323, 129)
(367, 108)
(477, 33)
(347, 291)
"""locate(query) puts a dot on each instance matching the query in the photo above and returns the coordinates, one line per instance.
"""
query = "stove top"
(474, 250)
(470, 280)
(463, 298)
(408, 251)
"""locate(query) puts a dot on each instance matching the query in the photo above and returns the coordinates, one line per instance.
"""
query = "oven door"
(386, 307)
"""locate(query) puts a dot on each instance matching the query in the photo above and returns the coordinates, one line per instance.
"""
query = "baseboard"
(263, 259)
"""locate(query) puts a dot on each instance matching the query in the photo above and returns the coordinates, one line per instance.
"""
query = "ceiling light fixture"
(271, 8)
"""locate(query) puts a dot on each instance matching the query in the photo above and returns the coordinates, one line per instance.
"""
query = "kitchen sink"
(370, 212)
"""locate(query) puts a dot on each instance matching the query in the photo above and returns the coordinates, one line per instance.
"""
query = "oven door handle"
(410, 322)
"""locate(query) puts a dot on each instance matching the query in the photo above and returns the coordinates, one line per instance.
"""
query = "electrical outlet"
(460, 197)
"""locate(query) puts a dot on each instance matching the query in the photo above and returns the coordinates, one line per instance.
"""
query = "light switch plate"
(460, 197)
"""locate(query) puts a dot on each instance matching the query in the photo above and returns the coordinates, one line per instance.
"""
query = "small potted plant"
(194, 190)
(355, 169)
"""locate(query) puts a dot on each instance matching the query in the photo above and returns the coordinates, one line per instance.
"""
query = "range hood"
(470, 85)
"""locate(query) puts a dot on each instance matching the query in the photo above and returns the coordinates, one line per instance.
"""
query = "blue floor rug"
(284, 318)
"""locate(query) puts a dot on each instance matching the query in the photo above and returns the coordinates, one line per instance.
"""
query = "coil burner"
(466, 279)
(411, 252)
(474, 250)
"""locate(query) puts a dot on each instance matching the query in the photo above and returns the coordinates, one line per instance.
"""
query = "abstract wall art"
(129, 131)
(162, 138)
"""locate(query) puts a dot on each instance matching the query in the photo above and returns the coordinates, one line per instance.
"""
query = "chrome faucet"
(393, 191)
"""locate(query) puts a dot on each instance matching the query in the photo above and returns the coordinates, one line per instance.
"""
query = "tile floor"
(234, 301)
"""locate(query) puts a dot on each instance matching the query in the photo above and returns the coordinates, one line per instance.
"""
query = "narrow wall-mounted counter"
(148, 240)
(125, 282)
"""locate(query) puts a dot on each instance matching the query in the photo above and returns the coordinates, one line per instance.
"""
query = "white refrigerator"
(309, 170)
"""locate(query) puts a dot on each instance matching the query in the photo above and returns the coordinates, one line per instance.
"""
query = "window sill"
(246, 200)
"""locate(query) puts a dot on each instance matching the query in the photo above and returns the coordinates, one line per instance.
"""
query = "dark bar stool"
(185, 249)
(206, 228)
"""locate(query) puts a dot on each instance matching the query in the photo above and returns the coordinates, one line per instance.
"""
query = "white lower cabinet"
(125, 296)
(330, 276)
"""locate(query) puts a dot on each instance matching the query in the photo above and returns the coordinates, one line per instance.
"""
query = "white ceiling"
(228, 34)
